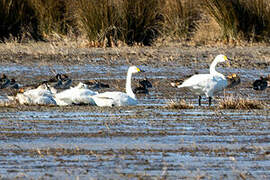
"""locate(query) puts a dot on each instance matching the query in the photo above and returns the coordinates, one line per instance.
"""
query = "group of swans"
(200, 84)
(46, 94)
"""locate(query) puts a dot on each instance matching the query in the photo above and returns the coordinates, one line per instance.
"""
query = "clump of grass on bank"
(241, 19)
(97, 19)
(53, 15)
(17, 20)
(240, 103)
(180, 18)
(111, 22)
(142, 21)
(182, 104)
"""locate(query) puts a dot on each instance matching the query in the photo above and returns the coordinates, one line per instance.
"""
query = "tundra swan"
(79, 94)
(119, 98)
(207, 84)
(42, 95)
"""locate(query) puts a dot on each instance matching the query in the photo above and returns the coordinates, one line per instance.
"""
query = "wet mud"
(147, 141)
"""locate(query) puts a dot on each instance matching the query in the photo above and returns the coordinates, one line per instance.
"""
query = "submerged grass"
(231, 102)
(182, 104)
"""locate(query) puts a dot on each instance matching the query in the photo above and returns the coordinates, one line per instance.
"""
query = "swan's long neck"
(128, 85)
(213, 67)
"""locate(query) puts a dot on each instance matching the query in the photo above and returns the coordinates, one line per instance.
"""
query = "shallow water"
(136, 142)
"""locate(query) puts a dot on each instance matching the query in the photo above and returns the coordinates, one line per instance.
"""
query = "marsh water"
(147, 141)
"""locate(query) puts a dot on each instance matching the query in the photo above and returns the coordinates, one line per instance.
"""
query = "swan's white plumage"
(119, 98)
(39, 96)
(79, 94)
(207, 84)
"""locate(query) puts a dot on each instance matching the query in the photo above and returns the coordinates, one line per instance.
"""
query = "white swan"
(119, 98)
(79, 94)
(207, 84)
(42, 95)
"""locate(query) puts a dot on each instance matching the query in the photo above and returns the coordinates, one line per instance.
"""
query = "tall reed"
(16, 18)
(241, 19)
(52, 15)
(180, 17)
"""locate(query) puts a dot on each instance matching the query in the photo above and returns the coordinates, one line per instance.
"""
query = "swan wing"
(114, 99)
(75, 96)
(205, 84)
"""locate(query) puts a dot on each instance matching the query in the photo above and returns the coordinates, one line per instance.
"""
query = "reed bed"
(109, 22)
(231, 102)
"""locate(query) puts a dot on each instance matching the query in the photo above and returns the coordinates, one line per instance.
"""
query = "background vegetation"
(109, 22)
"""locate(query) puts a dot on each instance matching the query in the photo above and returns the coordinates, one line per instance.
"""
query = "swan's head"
(222, 58)
(133, 69)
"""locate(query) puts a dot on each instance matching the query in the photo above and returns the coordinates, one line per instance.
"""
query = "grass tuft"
(241, 19)
(240, 103)
(17, 19)
(182, 104)
(180, 18)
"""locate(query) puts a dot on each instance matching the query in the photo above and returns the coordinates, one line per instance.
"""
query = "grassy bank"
(113, 22)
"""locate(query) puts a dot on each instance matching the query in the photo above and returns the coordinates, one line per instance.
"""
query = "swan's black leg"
(200, 100)
(210, 101)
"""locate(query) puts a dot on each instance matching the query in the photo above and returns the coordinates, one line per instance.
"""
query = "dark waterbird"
(143, 87)
(262, 83)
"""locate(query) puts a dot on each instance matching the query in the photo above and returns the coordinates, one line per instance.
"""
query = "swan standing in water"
(79, 94)
(119, 98)
(207, 84)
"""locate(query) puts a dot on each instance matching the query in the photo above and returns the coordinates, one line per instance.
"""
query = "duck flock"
(58, 90)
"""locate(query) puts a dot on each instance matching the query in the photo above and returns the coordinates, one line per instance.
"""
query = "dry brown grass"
(207, 31)
(231, 102)
(182, 104)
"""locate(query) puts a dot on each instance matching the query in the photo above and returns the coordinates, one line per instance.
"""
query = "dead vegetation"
(113, 22)
(182, 104)
(232, 102)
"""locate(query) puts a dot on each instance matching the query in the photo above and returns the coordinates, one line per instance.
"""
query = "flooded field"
(148, 141)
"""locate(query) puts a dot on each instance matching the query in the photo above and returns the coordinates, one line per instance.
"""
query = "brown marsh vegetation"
(109, 22)
(231, 102)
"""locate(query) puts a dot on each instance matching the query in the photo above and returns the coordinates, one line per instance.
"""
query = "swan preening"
(207, 84)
